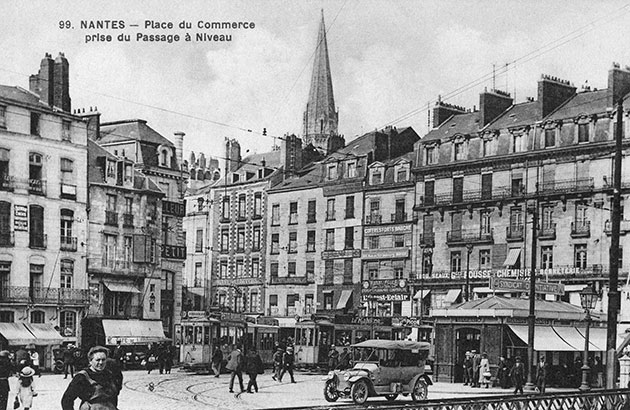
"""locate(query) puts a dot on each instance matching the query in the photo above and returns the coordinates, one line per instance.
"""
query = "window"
(373, 271)
(583, 132)
(5, 180)
(330, 209)
(550, 137)
(308, 303)
(518, 143)
(351, 168)
(402, 172)
(225, 208)
(427, 263)
(275, 214)
(291, 269)
(257, 204)
(3, 116)
(347, 271)
(399, 241)
(35, 172)
(253, 299)
(240, 237)
(349, 242)
(429, 192)
(109, 250)
(328, 300)
(256, 238)
(310, 270)
(68, 242)
(376, 176)
(5, 273)
(350, 206)
(37, 239)
(329, 271)
(242, 209)
(456, 261)
(111, 202)
(67, 272)
(7, 316)
(546, 260)
(223, 269)
(275, 243)
(517, 185)
(430, 155)
(310, 241)
(400, 215)
(128, 250)
(486, 147)
(458, 151)
(67, 169)
(330, 239)
(292, 242)
(36, 278)
(34, 123)
(164, 157)
(484, 258)
(580, 256)
(312, 208)
(485, 224)
(516, 218)
(239, 268)
(199, 241)
(68, 322)
(399, 269)
(373, 242)
(458, 189)
(486, 186)
(293, 213)
(273, 269)
(332, 171)
(547, 218)
(38, 316)
(65, 130)
(222, 300)
(255, 268)
(129, 205)
(225, 240)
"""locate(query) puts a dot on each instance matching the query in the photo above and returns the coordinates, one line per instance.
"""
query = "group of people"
(160, 355)
(477, 369)
(237, 363)
(12, 366)
(338, 361)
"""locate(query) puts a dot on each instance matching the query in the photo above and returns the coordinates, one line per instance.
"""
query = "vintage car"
(382, 368)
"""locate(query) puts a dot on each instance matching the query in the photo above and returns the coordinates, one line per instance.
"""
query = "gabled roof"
(465, 124)
(23, 96)
(135, 129)
(590, 102)
(518, 115)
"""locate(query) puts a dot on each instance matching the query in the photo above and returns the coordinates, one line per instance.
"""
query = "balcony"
(6, 183)
(53, 296)
(37, 186)
(37, 241)
(566, 186)
(547, 232)
(291, 280)
(111, 218)
(174, 252)
(581, 229)
(67, 191)
(7, 239)
(68, 243)
(373, 219)
(127, 220)
(399, 217)
(458, 238)
(624, 227)
(130, 311)
(515, 233)
(427, 239)
(114, 266)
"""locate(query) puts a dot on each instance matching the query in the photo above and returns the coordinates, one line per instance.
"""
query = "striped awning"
(512, 257)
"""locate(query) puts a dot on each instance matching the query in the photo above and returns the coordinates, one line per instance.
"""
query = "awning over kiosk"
(343, 300)
(551, 339)
(133, 331)
(45, 334)
(512, 257)
(16, 334)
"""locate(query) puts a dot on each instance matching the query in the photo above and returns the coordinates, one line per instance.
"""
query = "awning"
(452, 295)
(546, 339)
(512, 257)
(421, 294)
(121, 287)
(45, 334)
(343, 300)
(133, 331)
(286, 321)
(574, 288)
(16, 334)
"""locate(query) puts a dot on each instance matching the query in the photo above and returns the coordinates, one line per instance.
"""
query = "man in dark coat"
(476, 361)
(502, 373)
(517, 374)
(541, 374)
(68, 361)
(217, 361)
(287, 364)
(467, 369)
(344, 361)
(253, 367)
(333, 358)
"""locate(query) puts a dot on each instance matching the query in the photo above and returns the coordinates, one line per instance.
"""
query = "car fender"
(356, 378)
(424, 377)
(330, 376)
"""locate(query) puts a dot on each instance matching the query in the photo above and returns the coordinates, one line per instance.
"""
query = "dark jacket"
(92, 387)
(217, 356)
(254, 364)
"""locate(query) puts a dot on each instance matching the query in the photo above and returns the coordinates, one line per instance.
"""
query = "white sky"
(388, 58)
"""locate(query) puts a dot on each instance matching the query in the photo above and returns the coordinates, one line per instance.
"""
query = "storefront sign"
(372, 320)
(386, 253)
(387, 229)
(267, 321)
(523, 286)
(386, 297)
(20, 218)
(509, 273)
(405, 321)
(195, 314)
(384, 286)
(348, 253)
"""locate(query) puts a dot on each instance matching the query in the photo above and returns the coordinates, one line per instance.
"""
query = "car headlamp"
(346, 376)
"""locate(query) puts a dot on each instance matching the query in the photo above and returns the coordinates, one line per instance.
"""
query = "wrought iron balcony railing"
(68, 243)
(26, 294)
(290, 280)
(37, 186)
(581, 229)
(373, 219)
(427, 239)
(111, 218)
(515, 233)
(6, 183)
(399, 217)
(131, 311)
(566, 186)
(547, 232)
(465, 237)
(127, 220)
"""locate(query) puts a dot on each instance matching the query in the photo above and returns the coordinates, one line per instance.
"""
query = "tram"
(262, 335)
(312, 341)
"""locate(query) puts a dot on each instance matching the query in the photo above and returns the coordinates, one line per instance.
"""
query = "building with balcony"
(482, 174)
(43, 200)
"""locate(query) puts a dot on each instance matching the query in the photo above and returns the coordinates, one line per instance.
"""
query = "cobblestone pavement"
(181, 390)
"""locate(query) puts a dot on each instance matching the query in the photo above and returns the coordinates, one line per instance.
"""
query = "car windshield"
(390, 357)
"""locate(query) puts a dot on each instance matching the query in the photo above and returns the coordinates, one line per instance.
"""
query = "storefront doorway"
(468, 339)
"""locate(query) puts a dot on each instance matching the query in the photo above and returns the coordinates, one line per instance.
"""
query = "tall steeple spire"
(321, 118)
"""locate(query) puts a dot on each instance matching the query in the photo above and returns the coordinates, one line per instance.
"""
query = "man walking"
(476, 361)
(287, 361)
(277, 363)
(217, 361)
(518, 375)
(235, 366)
(254, 366)
(68, 362)
(541, 375)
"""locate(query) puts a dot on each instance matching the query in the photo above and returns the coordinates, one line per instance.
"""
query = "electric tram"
(312, 341)
(262, 334)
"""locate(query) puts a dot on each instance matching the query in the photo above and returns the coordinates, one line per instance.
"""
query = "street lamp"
(588, 298)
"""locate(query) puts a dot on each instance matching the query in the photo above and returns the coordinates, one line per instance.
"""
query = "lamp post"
(588, 298)
(469, 249)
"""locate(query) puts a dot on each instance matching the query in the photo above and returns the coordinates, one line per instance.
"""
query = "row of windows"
(36, 274)
(240, 239)
(291, 267)
(35, 166)
(241, 210)
(35, 126)
(242, 302)
(239, 269)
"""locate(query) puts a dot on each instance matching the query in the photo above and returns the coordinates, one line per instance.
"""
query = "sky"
(389, 59)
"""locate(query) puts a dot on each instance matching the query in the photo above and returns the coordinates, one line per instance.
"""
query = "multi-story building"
(482, 176)
(43, 221)
(160, 160)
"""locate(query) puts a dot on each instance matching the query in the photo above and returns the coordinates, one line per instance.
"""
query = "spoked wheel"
(359, 392)
(391, 397)
(330, 391)
(420, 391)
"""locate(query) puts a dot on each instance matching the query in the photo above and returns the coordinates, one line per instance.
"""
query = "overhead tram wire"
(521, 60)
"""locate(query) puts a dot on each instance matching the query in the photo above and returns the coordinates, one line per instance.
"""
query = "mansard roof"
(518, 115)
(464, 124)
(584, 103)
(132, 129)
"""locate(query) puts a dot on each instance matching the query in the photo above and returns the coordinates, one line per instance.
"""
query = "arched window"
(68, 242)
(35, 174)
(38, 316)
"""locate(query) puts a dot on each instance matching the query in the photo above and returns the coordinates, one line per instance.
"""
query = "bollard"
(624, 372)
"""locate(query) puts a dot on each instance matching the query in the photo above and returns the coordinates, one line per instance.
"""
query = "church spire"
(321, 117)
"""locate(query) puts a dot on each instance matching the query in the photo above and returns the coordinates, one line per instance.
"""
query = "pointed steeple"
(321, 118)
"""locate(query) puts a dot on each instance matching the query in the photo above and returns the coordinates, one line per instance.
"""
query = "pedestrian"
(254, 366)
(484, 371)
(35, 362)
(277, 363)
(22, 359)
(476, 359)
(168, 358)
(287, 364)
(119, 352)
(333, 358)
(541, 375)
(517, 374)
(502, 373)
(217, 361)
(161, 358)
(598, 370)
(25, 392)
(467, 365)
(95, 385)
(6, 370)
(68, 361)
(344, 361)
(235, 366)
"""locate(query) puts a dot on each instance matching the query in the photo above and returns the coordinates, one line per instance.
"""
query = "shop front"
(41, 337)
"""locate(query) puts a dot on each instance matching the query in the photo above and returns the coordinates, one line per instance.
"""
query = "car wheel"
(359, 392)
(330, 391)
(391, 397)
(420, 390)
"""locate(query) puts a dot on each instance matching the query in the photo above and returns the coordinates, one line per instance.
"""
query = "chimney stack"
(291, 154)
(52, 82)
(62, 83)
(443, 111)
(93, 119)
(553, 92)
(492, 104)
(232, 158)
(618, 84)
(179, 148)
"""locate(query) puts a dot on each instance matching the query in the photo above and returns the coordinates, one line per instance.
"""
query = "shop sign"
(372, 321)
(509, 273)
(232, 317)
(20, 218)
(384, 286)
(523, 286)
(386, 253)
(195, 314)
(405, 321)
(386, 297)
(348, 253)
(387, 229)
(267, 321)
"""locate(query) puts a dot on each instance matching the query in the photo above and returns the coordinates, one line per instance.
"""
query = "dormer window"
(583, 132)
(488, 147)
(164, 156)
(65, 130)
(550, 137)
(351, 168)
(430, 157)
(235, 177)
(376, 176)
(518, 143)
(332, 171)
(111, 169)
(458, 151)
(3, 116)
(402, 172)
